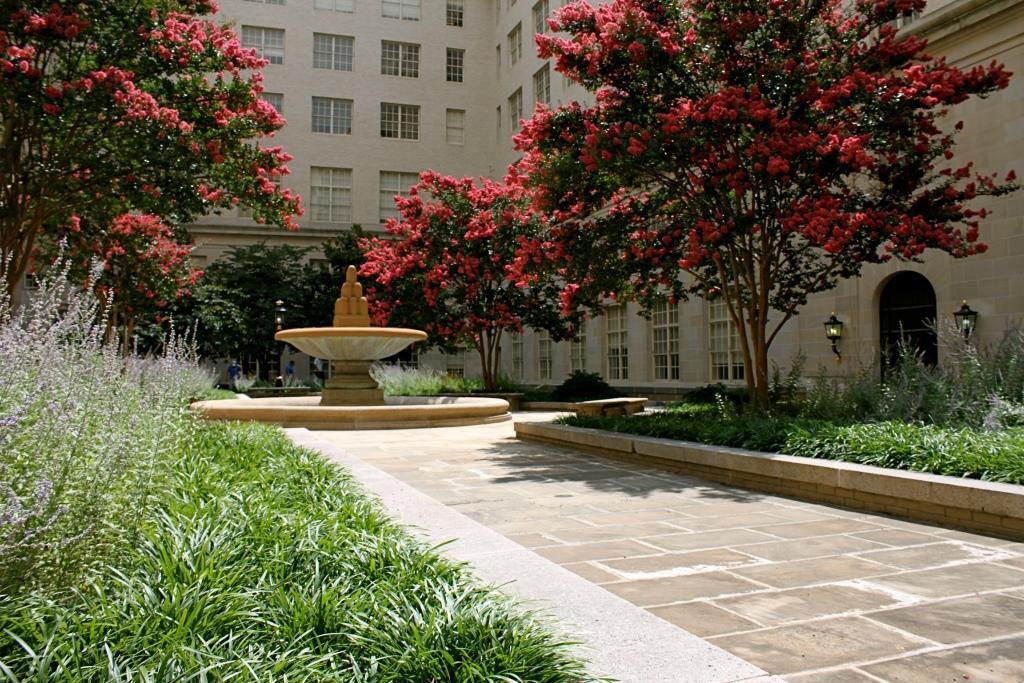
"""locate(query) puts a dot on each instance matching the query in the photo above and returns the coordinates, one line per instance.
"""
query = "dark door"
(907, 310)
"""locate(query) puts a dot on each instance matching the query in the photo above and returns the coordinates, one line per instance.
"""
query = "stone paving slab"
(620, 640)
(809, 591)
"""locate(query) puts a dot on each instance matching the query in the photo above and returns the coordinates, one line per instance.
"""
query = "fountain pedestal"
(351, 345)
(351, 385)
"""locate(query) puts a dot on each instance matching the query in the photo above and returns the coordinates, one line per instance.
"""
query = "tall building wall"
(691, 347)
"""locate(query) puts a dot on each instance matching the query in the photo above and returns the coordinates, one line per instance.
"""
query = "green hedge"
(260, 561)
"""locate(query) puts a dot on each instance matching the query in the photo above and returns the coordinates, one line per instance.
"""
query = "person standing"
(234, 373)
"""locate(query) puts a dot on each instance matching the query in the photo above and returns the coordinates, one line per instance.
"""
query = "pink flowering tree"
(117, 107)
(445, 265)
(144, 269)
(757, 151)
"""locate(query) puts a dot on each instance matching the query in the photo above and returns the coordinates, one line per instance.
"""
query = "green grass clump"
(213, 394)
(258, 561)
(958, 452)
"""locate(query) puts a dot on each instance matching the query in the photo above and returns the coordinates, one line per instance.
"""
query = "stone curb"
(620, 639)
(971, 504)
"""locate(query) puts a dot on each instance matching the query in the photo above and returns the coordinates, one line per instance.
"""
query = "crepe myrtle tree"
(136, 267)
(109, 108)
(445, 268)
(757, 150)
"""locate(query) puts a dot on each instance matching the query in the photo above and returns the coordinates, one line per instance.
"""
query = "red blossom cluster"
(131, 108)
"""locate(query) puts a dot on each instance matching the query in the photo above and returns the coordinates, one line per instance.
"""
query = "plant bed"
(257, 559)
(952, 451)
(983, 506)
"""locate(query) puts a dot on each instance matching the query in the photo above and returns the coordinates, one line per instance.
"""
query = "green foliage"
(703, 423)
(260, 561)
(233, 304)
(958, 452)
(397, 380)
(584, 386)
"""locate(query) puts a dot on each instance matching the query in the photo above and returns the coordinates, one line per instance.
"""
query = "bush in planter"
(583, 386)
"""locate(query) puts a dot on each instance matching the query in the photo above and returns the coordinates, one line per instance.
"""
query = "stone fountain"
(351, 345)
(351, 398)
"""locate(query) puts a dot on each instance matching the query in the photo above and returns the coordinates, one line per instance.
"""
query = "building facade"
(375, 91)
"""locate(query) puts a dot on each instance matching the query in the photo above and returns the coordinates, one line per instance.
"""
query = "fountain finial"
(351, 309)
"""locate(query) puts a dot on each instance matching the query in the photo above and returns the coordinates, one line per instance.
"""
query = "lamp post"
(834, 332)
(966, 319)
(279, 311)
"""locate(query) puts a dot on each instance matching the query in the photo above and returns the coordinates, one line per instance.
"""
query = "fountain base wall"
(397, 412)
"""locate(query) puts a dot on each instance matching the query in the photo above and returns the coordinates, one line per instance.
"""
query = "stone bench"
(608, 407)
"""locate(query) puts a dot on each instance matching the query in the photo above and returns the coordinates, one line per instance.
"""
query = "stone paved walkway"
(807, 591)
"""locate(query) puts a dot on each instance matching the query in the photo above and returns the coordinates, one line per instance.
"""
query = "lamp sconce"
(834, 332)
(279, 311)
(966, 319)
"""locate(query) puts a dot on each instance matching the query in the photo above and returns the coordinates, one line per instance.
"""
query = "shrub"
(80, 430)
(398, 380)
(584, 386)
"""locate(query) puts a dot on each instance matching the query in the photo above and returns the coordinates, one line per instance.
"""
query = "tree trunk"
(488, 345)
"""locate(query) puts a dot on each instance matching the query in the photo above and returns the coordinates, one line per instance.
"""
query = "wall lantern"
(279, 311)
(966, 319)
(834, 332)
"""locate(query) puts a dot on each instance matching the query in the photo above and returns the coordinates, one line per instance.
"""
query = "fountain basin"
(350, 343)
(398, 412)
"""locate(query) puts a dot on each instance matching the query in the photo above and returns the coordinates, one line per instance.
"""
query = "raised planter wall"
(971, 504)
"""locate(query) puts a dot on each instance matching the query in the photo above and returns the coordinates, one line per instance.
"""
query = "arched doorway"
(907, 313)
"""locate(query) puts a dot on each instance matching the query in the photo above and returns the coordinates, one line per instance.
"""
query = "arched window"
(907, 314)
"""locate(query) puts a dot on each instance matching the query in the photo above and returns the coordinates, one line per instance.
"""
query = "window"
(515, 44)
(275, 100)
(905, 20)
(498, 119)
(517, 355)
(399, 59)
(726, 356)
(394, 183)
(456, 363)
(331, 194)
(540, 17)
(453, 68)
(332, 52)
(542, 85)
(268, 42)
(665, 340)
(332, 115)
(543, 354)
(497, 60)
(578, 353)
(617, 339)
(400, 9)
(399, 121)
(455, 11)
(515, 108)
(455, 126)
(336, 5)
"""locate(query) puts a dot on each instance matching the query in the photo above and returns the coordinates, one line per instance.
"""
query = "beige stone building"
(377, 90)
